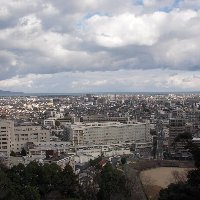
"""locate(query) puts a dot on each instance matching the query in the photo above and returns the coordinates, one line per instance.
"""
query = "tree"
(179, 192)
(68, 185)
(112, 182)
(184, 137)
(23, 152)
(190, 190)
(36, 181)
(57, 123)
(5, 191)
(179, 177)
(31, 193)
(123, 160)
(12, 153)
(95, 162)
(194, 178)
(195, 151)
(3, 167)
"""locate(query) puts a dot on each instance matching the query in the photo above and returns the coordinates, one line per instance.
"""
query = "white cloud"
(4, 13)
(53, 37)
(125, 29)
(20, 82)
(123, 80)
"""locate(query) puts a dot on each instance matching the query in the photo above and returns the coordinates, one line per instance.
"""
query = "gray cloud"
(48, 37)
(115, 81)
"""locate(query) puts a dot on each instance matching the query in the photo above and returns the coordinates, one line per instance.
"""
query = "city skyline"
(99, 46)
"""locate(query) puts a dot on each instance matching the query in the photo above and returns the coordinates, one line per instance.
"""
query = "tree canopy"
(112, 182)
(35, 181)
(190, 190)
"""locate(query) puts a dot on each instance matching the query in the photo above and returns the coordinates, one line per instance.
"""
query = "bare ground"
(155, 179)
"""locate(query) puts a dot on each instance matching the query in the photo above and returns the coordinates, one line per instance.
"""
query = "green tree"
(112, 182)
(36, 181)
(95, 162)
(68, 185)
(5, 183)
(123, 160)
(179, 191)
(16, 174)
(31, 193)
(191, 189)
(23, 152)
(57, 123)
(12, 153)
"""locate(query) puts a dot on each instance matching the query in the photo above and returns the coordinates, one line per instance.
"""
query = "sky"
(72, 46)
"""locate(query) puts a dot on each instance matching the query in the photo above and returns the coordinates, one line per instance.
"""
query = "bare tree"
(179, 177)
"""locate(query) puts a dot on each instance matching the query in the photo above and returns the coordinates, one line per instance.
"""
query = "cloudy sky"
(99, 45)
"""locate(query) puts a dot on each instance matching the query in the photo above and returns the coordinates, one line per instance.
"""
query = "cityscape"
(74, 130)
(100, 100)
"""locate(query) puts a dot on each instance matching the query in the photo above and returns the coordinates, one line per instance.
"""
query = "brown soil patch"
(155, 179)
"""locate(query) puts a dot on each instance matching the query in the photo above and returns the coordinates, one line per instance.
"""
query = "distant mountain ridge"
(9, 92)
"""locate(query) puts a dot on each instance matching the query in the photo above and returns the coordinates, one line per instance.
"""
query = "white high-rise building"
(14, 138)
(108, 132)
(6, 137)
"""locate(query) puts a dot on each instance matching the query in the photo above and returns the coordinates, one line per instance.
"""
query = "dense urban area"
(95, 146)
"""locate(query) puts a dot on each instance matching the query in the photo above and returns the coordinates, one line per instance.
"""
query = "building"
(194, 118)
(29, 133)
(102, 118)
(6, 137)
(176, 126)
(143, 150)
(14, 138)
(108, 132)
(50, 122)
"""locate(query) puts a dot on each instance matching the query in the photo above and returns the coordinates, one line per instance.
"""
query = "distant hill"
(2, 92)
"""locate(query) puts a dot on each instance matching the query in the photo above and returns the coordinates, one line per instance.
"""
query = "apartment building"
(108, 132)
(176, 126)
(14, 138)
(29, 133)
(194, 118)
(6, 137)
(102, 118)
(50, 122)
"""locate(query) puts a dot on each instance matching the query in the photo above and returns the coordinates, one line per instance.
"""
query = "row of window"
(3, 142)
(3, 147)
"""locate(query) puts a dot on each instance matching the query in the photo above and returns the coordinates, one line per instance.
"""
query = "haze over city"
(99, 45)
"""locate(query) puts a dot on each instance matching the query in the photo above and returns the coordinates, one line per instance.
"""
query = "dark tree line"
(108, 183)
(36, 181)
(112, 184)
(48, 181)
(189, 190)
